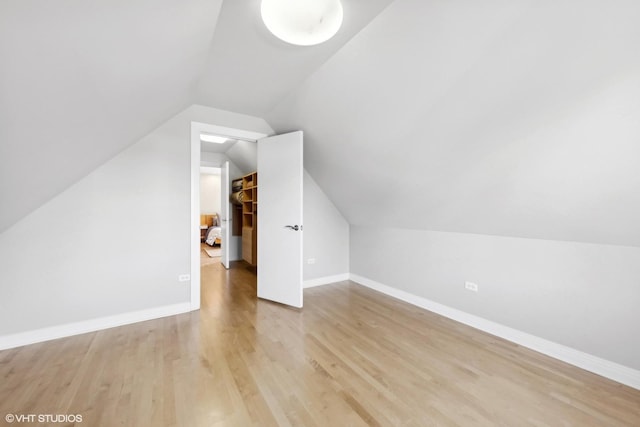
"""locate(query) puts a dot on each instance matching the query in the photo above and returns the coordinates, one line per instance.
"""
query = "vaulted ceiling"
(508, 117)
(249, 70)
(516, 118)
(82, 80)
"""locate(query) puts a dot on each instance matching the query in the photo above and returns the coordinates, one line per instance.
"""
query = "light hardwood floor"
(351, 357)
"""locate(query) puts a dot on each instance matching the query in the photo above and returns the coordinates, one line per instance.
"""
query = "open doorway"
(210, 215)
(277, 161)
(233, 152)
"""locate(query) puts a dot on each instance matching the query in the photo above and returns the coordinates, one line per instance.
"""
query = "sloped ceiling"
(508, 117)
(82, 80)
(514, 118)
(249, 70)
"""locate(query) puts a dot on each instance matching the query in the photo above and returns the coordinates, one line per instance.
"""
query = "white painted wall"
(112, 243)
(581, 295)
(216, 160)
(245, 155)
(326, 234)
(210, 198)
(212, 159)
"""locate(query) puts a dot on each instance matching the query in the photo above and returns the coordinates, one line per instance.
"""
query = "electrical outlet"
(311, 261)
(471, 286)
(184, 277)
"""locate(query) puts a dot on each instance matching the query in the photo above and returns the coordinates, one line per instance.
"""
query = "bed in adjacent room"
(211, 233)
(213, 236)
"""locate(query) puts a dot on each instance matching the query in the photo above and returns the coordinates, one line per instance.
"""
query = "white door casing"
(225, 216)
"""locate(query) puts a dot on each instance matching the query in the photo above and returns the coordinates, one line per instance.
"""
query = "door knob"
(292, 227)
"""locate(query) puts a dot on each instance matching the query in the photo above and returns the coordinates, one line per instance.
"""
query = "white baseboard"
(603, 367)
(325, 280)
(76, 328)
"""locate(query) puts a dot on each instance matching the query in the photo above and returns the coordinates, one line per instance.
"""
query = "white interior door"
(225, 215)
(280, 172)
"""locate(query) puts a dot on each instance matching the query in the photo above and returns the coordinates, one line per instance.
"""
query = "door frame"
(225, 215)
(196, 129)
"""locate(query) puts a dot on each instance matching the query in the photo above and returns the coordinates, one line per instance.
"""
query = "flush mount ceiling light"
(302, 22)
(205, 137)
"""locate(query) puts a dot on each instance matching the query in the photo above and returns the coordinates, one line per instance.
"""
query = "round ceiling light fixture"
(302, 22)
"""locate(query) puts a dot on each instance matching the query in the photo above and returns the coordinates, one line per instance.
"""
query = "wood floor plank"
(351, 357)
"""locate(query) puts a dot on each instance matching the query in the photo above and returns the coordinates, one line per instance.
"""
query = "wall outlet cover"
(471, 286)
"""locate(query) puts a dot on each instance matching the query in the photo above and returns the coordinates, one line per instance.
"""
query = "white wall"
(215, 160)
(112, 243)
(581, 295)
(210, 198)
(326, 234)
(245, 155)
